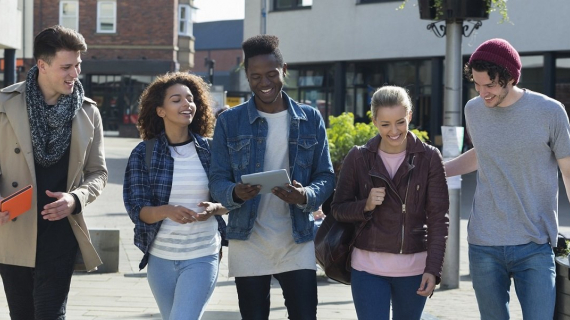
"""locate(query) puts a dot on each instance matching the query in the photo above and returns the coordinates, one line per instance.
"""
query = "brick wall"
(226, 60)
(145, 28)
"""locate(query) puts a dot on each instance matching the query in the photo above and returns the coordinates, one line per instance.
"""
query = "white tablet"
(268, 179)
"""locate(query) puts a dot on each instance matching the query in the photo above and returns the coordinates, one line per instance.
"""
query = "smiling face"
(58, 77)
(392, 124)
(490, 91)
(178, 108)
(265, 77)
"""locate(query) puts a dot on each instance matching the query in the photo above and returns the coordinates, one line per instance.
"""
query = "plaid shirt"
(141, 189)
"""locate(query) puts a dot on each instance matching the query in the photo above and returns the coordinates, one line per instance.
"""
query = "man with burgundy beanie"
(520, 139)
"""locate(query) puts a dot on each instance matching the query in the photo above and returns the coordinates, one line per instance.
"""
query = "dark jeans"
(372, 295)
(38, 293)
(299, 290)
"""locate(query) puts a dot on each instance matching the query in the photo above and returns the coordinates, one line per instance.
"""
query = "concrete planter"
(562, 311)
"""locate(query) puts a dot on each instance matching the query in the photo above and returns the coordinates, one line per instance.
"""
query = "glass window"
(375, 1)
(291, 79)
(185, 23)
(106, 17)
(563, 81)
(291, 4)
(69, 14)
(532, 73)
(402, 73)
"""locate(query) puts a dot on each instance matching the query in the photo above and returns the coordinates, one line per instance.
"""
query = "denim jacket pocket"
(306, 151)
(239, 153)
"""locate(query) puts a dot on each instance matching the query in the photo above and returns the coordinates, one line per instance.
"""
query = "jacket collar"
(199, 141)
(81, 129)
(413, 144)
(292, 107)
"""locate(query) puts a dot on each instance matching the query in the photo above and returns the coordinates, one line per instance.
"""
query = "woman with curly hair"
(169, 201)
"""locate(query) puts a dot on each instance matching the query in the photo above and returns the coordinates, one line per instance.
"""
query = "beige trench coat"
(86, 177)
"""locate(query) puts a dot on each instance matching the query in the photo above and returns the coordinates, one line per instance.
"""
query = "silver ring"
(288, 190)
(183, 218)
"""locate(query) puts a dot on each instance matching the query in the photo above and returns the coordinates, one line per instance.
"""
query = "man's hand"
(60, 208)
(4, 216)
(291, 193)
(427, 286)
(246, 191)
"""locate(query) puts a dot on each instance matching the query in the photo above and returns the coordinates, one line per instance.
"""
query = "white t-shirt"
(270, 248)
(176, 241)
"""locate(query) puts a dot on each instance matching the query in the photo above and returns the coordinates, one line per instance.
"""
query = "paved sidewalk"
(126, 294)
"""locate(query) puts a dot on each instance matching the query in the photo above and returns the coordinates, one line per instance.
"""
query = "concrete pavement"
(126, 294)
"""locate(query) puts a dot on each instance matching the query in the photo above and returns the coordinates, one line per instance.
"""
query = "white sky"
(214, 10)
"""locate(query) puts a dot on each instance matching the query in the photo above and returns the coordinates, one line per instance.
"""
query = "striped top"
(176, 241)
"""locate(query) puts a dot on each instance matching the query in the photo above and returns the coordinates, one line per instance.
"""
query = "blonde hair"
(390, 96)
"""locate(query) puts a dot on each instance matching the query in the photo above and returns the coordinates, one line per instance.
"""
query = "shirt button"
(258, 165)
(14, 184)
(17, 150)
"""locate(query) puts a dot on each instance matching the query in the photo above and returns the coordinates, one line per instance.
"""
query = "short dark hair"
(150, 124)
(493, 70)
(259, 45)
(53, 39)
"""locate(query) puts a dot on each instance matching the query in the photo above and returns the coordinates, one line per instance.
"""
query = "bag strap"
(362, 225)
(148, 154)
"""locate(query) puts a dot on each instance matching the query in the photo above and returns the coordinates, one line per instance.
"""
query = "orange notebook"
(18, 202)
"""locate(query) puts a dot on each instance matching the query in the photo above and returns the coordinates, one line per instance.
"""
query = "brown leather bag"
(334, 242)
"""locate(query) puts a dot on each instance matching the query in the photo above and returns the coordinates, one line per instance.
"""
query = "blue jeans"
(299, 290)
(531, 266)
(182, 288)
(372, 294)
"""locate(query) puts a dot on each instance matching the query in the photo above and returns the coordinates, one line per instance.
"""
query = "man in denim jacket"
(271, 234)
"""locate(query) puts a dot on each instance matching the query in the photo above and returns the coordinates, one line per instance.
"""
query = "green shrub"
(344, 134)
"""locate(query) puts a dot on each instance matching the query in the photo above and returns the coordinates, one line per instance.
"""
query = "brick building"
(220, 41)
(129, 43)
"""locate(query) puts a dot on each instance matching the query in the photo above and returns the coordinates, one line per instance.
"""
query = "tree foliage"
(343, 134)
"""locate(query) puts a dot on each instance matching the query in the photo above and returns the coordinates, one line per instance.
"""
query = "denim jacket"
(141, 189)
(239, 148)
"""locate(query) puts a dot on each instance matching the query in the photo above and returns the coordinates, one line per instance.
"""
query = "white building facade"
(11, 24)
(339, 51)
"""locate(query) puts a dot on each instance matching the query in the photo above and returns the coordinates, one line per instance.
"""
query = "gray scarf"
(50, 127)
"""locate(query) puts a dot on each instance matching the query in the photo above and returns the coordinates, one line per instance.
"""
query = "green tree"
(343, 134)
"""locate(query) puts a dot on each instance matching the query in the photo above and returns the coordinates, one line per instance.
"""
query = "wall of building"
(11, 24)
(336, 30)
(135, 37)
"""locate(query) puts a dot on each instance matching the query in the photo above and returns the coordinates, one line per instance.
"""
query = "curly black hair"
(261, 44)
(493, 70)
(150, 125)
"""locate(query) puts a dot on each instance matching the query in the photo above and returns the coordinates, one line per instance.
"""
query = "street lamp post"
(453, 30)
(210, 64)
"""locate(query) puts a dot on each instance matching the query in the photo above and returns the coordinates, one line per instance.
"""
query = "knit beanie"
(499, 52)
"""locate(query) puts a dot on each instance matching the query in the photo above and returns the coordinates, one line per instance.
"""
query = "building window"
(106, 17)
(291, 4)
(533, 76)
(376, 1)
(185, 23)
(69, 14)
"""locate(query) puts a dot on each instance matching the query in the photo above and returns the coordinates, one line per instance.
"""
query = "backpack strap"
(148, 154)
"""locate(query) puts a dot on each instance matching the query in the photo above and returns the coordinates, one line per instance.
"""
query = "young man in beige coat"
(52, 139)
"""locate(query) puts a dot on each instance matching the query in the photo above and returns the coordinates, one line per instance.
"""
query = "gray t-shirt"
(516, 199)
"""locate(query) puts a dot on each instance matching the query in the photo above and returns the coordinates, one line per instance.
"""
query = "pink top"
(389, 264)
